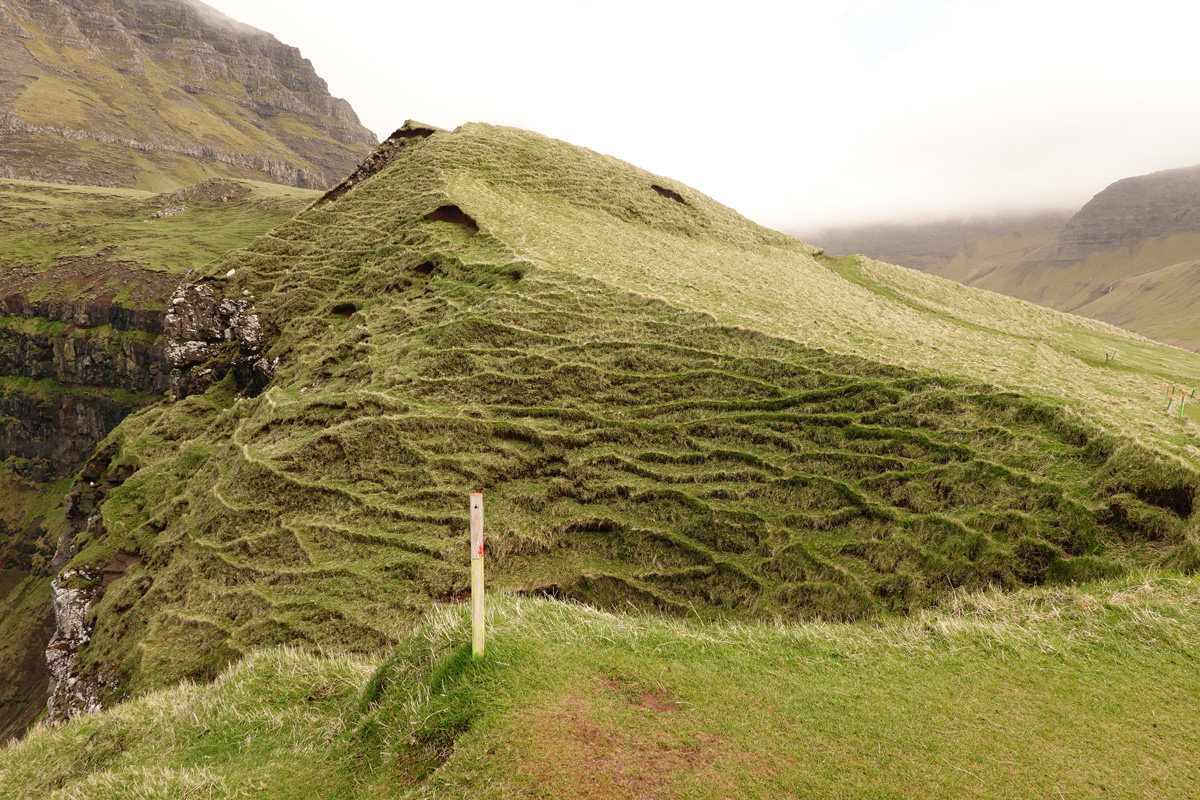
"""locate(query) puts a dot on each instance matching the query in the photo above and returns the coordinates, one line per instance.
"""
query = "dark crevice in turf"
(670, 194)
(454, 215)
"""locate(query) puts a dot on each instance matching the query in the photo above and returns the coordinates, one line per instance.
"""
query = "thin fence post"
(477, 629)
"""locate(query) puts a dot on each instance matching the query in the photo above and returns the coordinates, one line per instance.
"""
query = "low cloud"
(799, 115)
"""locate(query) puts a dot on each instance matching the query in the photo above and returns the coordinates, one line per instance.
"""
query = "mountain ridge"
(162, 94)
(1130, 256)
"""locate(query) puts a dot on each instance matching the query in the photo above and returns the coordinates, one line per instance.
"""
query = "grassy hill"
(672, 412)
(48, 224)
(1152, 287)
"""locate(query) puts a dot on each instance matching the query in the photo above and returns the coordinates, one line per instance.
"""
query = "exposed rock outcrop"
(1126, 214)
(70, 694)
(208, 336)
(381, 157)
(74, 592)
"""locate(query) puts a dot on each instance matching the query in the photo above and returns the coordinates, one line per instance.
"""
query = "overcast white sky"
(801, 114)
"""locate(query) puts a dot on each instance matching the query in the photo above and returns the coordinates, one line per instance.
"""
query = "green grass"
(635, 453)
(46, 223)
(1086, 691)
(673, 413)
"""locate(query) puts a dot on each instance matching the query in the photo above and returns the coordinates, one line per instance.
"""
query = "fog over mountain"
(1130, 256)
(211, 16)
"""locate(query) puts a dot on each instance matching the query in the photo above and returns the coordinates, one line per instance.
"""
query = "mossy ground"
(42, 223)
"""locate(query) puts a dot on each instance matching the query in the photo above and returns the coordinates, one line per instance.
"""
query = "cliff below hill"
(88, 284)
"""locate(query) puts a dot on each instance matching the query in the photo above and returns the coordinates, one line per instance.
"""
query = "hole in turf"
(344, 310)
(454, 215)
(668, 193)
(1173, 498)
(550, 591)
(425, 269)
(413, 130)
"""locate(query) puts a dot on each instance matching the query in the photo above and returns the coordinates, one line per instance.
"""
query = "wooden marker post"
(477, 630)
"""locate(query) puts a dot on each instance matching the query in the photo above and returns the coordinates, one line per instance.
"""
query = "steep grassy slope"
(161, 94)
(84, 276)
(1152, 287)
(478, 316)
(576, 212)
(1050, 692)
(1160, 301)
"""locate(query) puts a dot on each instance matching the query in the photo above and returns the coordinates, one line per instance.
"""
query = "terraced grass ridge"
(671, 411)
(476, 317)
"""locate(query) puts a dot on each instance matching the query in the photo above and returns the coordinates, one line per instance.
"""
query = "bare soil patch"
(575, 747)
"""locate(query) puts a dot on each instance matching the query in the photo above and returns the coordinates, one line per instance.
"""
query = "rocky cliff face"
(88, 282)
(75, 591)
(206, 337)
(71, 369)
(150, 92)
(1126, 214)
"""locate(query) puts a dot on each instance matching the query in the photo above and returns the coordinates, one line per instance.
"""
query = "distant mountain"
(1130, 256)
(156, 94)
(961, 250)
